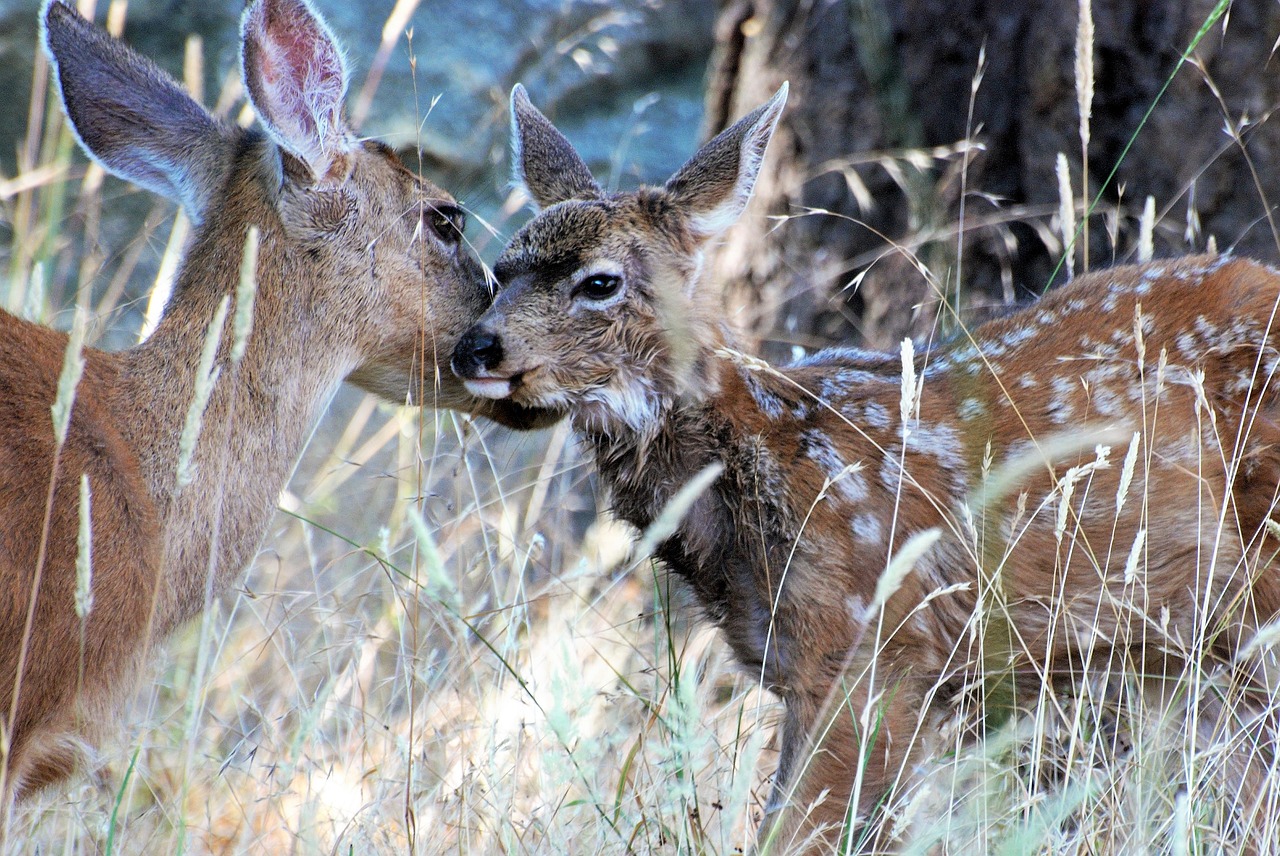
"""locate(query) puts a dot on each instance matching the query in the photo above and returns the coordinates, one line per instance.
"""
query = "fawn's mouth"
(493, 386)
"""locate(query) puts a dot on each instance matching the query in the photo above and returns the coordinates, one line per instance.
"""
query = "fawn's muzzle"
(478, 352)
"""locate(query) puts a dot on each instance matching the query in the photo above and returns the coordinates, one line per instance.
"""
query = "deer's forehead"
(384, 173)
(570, 236)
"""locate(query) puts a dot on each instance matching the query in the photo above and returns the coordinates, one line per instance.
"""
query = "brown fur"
(361, 275)
(820, 485)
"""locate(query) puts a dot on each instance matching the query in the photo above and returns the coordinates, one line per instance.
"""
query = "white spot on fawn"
(837, 387)
(1016, 337)
(848, 481)
(868, 529)
(1062, 404)
(1187, 345)
(971, 408)
(770, 405)
(835, 356)
(876, 415)
(1107, 402)
(992, 350)
(890, 471)
(939, 440)
(1149, 276)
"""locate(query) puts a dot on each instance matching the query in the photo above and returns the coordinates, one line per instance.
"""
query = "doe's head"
(600, 309)
(355, 247)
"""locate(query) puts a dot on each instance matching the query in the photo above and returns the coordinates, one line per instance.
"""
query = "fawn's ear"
(544, 161)
(132, 117)
(715, 185)
(296, 78)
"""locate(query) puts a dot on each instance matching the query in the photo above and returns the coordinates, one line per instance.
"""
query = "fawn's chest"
(779, 593)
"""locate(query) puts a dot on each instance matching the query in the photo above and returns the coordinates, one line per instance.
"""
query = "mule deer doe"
(362, 276)
(827, 468)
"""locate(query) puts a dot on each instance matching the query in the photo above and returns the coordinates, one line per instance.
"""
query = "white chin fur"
(488, 387)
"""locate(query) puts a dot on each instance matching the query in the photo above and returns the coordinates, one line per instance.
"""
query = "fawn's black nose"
(478, 350)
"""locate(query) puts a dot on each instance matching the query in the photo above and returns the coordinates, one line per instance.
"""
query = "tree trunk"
(871, 176)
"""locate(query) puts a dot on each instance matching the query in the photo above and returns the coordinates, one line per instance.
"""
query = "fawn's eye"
(600, 286)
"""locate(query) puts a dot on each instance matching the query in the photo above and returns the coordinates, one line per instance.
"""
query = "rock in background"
(623, 79)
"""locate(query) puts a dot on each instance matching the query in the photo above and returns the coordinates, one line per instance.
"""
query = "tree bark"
(871, 177)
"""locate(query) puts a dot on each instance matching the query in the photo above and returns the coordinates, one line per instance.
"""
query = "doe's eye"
(600, 286)
(446, 223)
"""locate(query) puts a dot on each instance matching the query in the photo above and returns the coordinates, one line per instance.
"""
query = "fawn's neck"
(646, 465)
(259, 415)
(720, 543)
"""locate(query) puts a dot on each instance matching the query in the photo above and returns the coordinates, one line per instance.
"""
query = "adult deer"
(362, 276)
(829, 467)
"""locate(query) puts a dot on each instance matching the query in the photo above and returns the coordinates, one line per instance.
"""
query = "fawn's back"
(1016, 447)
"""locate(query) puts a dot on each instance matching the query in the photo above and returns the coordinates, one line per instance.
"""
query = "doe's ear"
(296, 78)
(544, 161)
(716, 184)
(132, 117)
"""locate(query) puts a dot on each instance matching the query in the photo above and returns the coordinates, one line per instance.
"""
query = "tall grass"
(447, 647)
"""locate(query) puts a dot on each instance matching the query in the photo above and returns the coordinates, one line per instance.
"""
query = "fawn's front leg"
(840, 754)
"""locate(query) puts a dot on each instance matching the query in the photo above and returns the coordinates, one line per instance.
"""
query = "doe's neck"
(260, 413)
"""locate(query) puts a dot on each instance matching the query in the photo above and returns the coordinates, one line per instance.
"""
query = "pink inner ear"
(306, 48)
(303, 80)
(307, 54)
(309, 80)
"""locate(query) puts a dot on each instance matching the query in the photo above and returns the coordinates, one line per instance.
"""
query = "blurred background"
(624, 80)
(538, 695)
(917, 132)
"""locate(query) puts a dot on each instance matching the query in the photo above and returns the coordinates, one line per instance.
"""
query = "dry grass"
(445, 648)
(351, 693)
